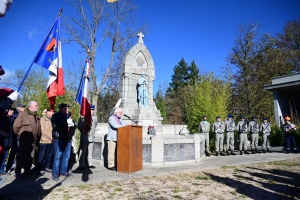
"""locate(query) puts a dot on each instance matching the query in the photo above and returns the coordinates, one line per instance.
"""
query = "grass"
(202, 178)
(198, 192)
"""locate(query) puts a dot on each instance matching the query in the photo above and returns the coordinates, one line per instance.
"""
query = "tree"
(180, 77)
(117, 21)
(245, 57)
(161, 103)
(289, 43)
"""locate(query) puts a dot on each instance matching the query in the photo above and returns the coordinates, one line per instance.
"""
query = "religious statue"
(142, 91)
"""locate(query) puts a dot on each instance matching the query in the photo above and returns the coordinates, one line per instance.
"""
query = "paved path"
(101, 174)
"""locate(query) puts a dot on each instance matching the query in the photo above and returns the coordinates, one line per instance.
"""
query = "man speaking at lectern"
(114, 122)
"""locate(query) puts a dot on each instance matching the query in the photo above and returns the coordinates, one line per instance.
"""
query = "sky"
(199, 30)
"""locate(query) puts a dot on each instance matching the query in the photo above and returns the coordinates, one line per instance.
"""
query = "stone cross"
(140, 36)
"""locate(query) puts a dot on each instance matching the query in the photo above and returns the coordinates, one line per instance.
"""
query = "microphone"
(127, 116)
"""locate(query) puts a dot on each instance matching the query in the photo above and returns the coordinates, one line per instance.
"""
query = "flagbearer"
(87, 141)
(115, 122)
(63, 130)
(265, 129)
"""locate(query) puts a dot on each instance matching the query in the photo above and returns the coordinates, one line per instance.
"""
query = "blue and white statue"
(142, 91)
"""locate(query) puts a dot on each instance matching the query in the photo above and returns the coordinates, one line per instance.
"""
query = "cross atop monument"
(140, 36)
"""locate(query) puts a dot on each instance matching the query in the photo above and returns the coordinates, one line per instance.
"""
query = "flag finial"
(60, 11)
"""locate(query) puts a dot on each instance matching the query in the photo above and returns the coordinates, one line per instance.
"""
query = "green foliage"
(209, 97)
(161, 104)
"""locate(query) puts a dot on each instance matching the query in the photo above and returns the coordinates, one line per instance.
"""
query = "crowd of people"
(243, 128)
(26, 138)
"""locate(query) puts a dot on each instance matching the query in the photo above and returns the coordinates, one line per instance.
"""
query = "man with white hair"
(27, 127)
(115, 122)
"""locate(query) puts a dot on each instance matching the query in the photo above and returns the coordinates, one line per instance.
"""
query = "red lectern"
(130, 149)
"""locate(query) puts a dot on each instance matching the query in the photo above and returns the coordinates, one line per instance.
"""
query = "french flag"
(83, 98)
(50, 57)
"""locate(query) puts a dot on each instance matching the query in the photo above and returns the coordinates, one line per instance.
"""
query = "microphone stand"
(136, 122)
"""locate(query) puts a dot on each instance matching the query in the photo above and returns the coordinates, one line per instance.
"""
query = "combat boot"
(241, 152)
(228, 153)
(222, 153)
(264, 151)
(287, 151)
(256, 151)
(207, 153)
(217, 153)
(247, 152)
(253, 152)
(232, 153)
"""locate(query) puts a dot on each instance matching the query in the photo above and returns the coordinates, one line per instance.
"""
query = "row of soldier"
(243, 128)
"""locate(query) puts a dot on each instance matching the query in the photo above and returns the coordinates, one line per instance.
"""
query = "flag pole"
(22, 82)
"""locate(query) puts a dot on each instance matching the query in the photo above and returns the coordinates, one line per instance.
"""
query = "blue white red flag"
(50, 57)
(83, 98)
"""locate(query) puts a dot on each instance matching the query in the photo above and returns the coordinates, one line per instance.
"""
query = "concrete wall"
(160, 149)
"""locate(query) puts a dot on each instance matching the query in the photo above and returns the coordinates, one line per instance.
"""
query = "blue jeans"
(45, 156)
(3, 159)
(288, 138)
(62, 151)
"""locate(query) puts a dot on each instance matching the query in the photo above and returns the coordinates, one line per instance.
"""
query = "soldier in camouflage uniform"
(229, 128)
(204, 127)
(218, 128)
(242, 128)
(265, 129)
(254, 129)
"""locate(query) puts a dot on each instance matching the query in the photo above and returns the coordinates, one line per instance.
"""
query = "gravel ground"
(229, 177)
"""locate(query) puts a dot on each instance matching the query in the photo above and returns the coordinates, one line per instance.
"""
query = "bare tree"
(117, 22)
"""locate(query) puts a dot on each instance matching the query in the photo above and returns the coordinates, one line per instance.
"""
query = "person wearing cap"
(265, 129)
(20, 107)
(63, 127)
(218, 128)
(242, 128)
(254, 129)
(289, 134)
(204, 127)
(87, 141)
(229, 128)
(114, 122)
(45, 154)
(27, 126)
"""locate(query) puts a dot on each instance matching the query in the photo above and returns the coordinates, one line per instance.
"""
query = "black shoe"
(295, 151)
(207, 153)
(82, 168)
(217, 153)
(112, 168)
(247, 152)
(264, 151)
(253, 152)
(48, 170)
(42, 173)
(92, 167)
(241, 152)
(228, 153)
(222, 153)
(232, 153)
(269, 151)
(287, 151)
(256, 151)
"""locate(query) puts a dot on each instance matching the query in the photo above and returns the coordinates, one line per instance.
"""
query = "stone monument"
(137, 76)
